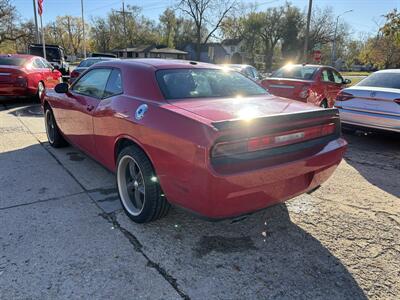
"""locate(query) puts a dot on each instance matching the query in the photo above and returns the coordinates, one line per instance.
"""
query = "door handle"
(89, 107)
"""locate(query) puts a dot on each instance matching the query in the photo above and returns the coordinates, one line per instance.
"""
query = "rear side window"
(93, 83)
(38, 64)
(327, 76)
(12, 61)
(385, 80)
(114, 84)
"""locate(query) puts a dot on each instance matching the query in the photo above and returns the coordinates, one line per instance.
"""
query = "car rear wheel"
(54, 136)
(138, 187)
(39, 92)
(324, 104)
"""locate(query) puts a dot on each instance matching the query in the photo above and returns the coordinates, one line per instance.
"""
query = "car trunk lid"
(264, 126)
(286, 87)
(370, 99)
(9, 74)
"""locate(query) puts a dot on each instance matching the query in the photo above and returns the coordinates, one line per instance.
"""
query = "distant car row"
(372, 103)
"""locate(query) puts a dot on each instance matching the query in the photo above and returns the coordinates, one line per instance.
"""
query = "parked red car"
(314, 84)
(26, 75)
(210, 140)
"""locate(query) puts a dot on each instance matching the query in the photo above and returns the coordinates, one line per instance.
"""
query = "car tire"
(324, 104)
(54, 136)
(138, 188)
(39, 92)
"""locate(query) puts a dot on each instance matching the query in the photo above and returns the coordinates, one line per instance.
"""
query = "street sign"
(317, 55)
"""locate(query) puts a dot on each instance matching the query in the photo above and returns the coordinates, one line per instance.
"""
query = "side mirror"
(346, 81)
(61, 88)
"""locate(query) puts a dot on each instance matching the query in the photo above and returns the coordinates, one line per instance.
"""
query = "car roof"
(100, 58)
(158, 63)
(238, 65)
(19, 55)
(389, 71)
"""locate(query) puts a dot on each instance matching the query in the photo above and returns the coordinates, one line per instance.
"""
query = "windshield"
(386, 80)
(52, 54)
(88, 62)
(12, 61)
(201, 83)
(295, 72)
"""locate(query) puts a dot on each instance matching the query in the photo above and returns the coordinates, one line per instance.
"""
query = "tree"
(252, 27)
(168, 23)
(272, 32)
(293, 24)
(206, 14)
(11, 30)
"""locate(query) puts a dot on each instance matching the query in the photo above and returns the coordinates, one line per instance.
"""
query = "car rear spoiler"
(277, 119)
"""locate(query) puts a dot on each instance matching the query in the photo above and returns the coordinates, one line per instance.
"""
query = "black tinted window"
(92, 83)
(114, 84)
(386, 80)
(202, 83)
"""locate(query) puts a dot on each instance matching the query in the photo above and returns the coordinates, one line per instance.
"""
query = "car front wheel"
(138, 187)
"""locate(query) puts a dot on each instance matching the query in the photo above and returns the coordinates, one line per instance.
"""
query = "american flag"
(40, 6)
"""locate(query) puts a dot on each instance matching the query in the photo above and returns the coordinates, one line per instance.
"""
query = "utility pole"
(333, 55)
(123, 12)
(83, 27)
(36, 23)
(305, 54)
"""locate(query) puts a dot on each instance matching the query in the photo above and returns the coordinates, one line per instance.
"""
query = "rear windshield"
(203, 83)
(295, 72)
(385, 80)
(12, 61)
(88, 62)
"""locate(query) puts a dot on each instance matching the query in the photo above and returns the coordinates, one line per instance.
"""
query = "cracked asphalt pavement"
(63, 234)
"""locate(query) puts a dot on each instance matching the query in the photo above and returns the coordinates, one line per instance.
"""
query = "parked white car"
(373, 103)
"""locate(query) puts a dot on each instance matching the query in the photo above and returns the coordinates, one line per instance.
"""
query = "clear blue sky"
(364, 19)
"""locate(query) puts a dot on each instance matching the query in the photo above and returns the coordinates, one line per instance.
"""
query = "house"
(210, 53)
(235, 50)
(150, 51)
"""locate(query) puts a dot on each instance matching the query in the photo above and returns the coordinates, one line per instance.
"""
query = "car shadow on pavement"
(376, 156)
(26, 110)
(264, 256)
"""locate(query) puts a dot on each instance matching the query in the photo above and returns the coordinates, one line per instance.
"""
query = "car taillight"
(21, 81)
(304, 93)
(343, 96)
(272, 140)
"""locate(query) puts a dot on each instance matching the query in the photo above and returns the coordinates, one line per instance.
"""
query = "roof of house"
(167, 51)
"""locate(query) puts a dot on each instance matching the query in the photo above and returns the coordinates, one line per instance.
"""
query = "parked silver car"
(373, 103)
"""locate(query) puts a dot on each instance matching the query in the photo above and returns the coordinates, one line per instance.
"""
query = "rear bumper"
(15, 91)
(370, 120)
(224, 196)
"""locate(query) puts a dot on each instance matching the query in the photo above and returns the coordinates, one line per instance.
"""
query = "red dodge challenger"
(314, 84)
(194, 135)
(26, 75)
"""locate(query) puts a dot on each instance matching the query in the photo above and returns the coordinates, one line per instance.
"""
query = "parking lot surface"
(63, 233)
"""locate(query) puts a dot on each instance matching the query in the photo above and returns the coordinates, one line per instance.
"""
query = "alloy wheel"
(131, 185)
(50, 126)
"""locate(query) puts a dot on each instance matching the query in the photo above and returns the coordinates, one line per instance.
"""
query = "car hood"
(224, 109)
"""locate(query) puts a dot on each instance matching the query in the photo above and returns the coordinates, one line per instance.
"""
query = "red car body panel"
(317, 90)
(178, 137)
(22, 81)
